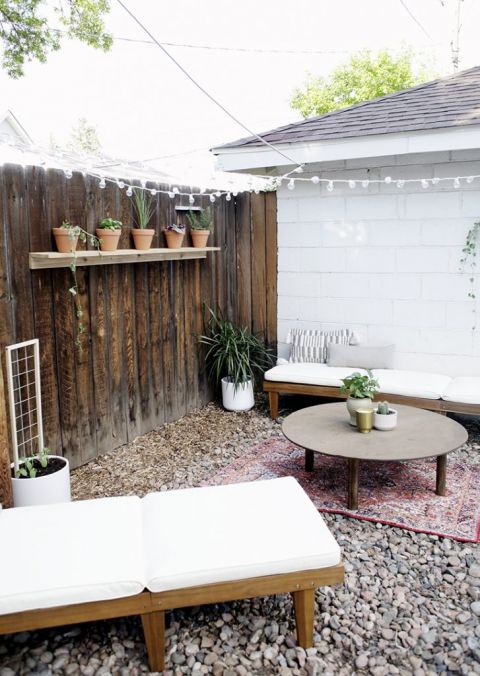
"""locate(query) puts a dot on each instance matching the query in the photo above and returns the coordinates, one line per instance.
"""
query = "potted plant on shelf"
(174, 235)
(41, 479)
(201, 226)
(361, 390)
(234, 357)
(144, 209)
(108, 232)
(384, 418)
(66, 237)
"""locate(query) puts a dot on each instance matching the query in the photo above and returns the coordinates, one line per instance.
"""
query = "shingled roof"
(448, 102)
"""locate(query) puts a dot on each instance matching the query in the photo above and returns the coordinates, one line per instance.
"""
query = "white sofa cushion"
(311, 374)
(463, 389)
(411, 383)
(361, 356)
(200, 536)
(55, 555)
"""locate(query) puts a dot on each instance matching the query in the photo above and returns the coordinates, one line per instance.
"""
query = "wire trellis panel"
(24, 397)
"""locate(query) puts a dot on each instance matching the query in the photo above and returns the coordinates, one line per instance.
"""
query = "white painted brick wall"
(384, 261)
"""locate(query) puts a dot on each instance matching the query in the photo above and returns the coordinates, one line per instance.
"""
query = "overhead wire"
(414, 18)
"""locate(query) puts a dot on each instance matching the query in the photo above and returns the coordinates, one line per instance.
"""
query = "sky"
(143, 107)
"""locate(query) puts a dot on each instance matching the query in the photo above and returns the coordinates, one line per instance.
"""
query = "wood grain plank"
(259, 271)
(271, 258)
(243, 261)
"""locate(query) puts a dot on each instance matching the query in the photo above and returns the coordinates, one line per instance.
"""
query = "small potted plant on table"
(41, 479)
(234, 356)
(174, 235)
(108, 232)
(361, 390)
(143, 211)
(201, 226)
(384, 418)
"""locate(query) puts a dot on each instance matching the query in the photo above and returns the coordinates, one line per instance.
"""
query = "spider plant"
(232, 351)
(143, 208)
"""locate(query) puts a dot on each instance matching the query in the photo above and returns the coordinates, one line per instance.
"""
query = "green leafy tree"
(25, 34)
(363, 78)
(84, 138)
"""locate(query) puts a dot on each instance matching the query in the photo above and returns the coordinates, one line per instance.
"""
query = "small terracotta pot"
(65, 243)
(174, 239)
(143, 238)
(199, 237)
(109, 239)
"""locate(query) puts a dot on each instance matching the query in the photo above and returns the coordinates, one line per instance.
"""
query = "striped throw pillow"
(310, 346)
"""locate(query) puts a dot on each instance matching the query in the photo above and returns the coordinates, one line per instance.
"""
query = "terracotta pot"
(143, 238)
(199, 237)
(109, 239)
(64, 240)
(174, 239)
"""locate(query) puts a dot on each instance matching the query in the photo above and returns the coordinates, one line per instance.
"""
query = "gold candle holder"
(364, 421)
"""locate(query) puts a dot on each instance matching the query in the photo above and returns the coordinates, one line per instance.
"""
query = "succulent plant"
(383, 408)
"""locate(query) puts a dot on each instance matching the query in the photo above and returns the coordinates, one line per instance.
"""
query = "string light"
(171, 194)
(388, 179)
(424, 183)
(102, 183)
(315, 179)
(291, 184)
(153, 192)
(456, 182)
(68, 174)
(129, 191)
(121, 184)
(176, 191)
(330, 186)
(436, 180)
(212, 198)
(469, 179)
(218, 193)
(191, 199)
(400, 183)
(351, 184)
(228, 197)
(365, 183)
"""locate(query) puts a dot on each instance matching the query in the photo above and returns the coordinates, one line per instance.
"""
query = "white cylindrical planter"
(43, 490)
(354, 405)
(383, 422)
(239, 399)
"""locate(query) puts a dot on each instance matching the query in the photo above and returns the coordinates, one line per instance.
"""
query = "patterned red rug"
(396, 493)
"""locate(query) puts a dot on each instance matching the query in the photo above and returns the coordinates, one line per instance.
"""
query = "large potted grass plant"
(143, 208)
(234, 357)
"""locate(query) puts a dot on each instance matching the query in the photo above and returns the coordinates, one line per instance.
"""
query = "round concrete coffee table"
(419, 434)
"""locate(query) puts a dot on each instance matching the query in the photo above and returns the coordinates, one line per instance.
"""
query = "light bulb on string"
(456, 183)
(175, 191)
(218, 193)
(388, 179)
(424, 183)
(469, 179)
(153, 192)
(315, 179)
(256, 191)
(234, 194)
(202, 190)
(129, 191)
(228, 197)
(143, 183)
(400, 183)
(102, 184)
(435, 181)
(121, 184)
(191, 199)
(291, 184)
(212, 198)
(352, 184)
(68, 174)
(171, 194)
(365, 183)
(330, 186)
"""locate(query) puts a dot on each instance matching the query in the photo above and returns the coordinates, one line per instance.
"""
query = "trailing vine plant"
(469, 258)
(73, 232)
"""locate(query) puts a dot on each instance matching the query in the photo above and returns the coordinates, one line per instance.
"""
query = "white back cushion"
(60, 554)
(200, 536)
(412, 383)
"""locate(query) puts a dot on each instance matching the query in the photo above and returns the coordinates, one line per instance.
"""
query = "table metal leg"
(352, 497)
(441, 488)
(308, 461)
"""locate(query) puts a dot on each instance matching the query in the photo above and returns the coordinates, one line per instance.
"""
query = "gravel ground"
(410, 603)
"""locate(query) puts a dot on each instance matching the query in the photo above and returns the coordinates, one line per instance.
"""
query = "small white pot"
(383, 422)
(43, 490)
(240, 399)
(354, 405)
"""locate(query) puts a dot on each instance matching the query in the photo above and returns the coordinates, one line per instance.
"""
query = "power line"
(414, 18)
(204, 91)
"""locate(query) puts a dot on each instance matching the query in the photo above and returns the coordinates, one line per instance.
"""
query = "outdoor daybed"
(414, 388)
(113, 557)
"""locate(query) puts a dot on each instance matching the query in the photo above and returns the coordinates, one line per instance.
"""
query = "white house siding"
(383, 260)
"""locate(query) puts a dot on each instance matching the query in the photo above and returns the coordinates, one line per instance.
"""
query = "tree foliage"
(363, 78)
(25, 34)
(84, 138)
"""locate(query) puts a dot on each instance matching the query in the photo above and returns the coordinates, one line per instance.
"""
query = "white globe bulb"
(68, 173)
(425, 183)
(400, 183)
(315, 179)
(102, 184)
(330, 186)
(291, 184)
(388, 179)
(212, 198)
(191, 199)
(456, 183)
(129, 191)
(228, 197)
(365, 183)
(351, 184)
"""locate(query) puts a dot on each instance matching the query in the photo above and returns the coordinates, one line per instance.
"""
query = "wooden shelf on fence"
(40, 260)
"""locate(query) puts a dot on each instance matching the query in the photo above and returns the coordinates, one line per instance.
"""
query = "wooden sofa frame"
(275, 389)
(152, 606)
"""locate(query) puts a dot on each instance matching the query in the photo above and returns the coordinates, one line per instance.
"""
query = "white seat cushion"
(56, 555)
(465, 390)
(200, 536)
(311, 374)
(412, 383)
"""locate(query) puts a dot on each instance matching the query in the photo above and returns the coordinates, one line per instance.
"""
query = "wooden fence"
(140, 364)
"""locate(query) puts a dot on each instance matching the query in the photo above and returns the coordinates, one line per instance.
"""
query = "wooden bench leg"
(154, 630)
(273, 398)
(304, 604)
